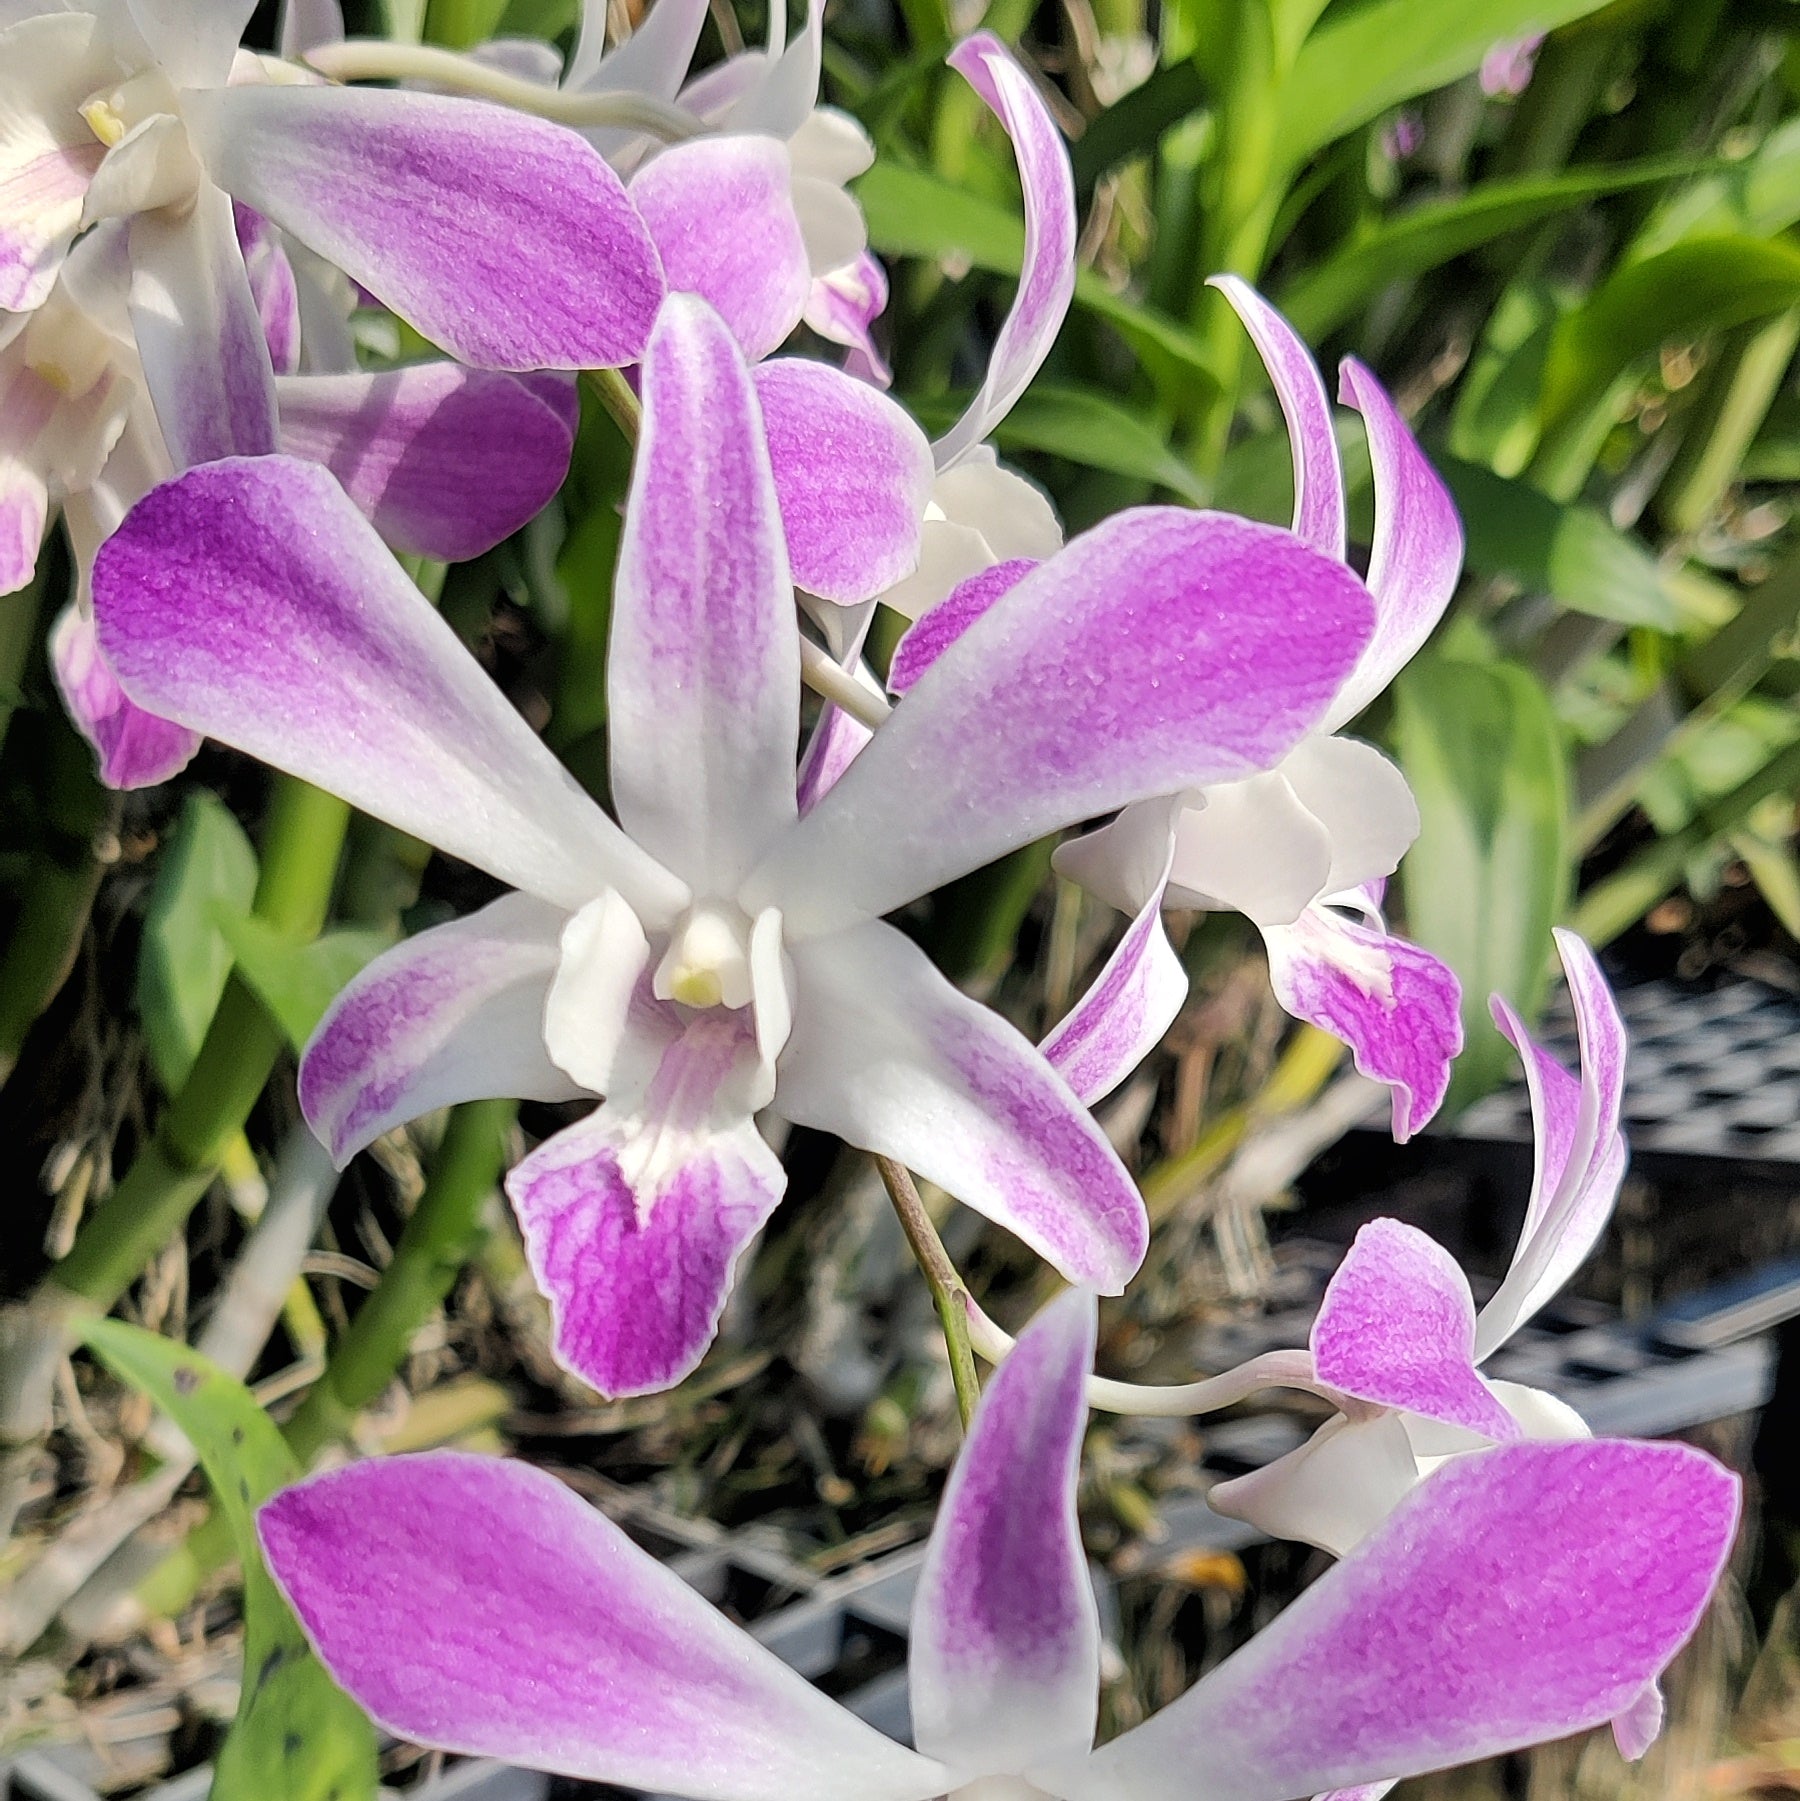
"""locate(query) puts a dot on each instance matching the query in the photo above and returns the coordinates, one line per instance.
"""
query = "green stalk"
(60, 885)
(948, 1290)
(303, 838)
(444, 1232)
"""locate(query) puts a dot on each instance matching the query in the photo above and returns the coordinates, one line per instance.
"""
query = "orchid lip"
(707, 963)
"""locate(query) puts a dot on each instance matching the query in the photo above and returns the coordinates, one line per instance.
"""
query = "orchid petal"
(445, 461)
(853, 473)
(1135, 998)
(1517, 1596)
(455, 1014)
(1319, 519)
(1252, 846)
(48, 67)
(932, 633)
(1047, 273)
(136, 749)
(1364, 1791)
(151, 168)
(832, 226)
(1332, 1491)
(603, 955)
(703, 674)
(1397, 1328)
(478, 1605)
(1004, 1653)
(1397, 1007)
(205, 356)
(195, 41)
(304, 25)
(272, 286)
(842, 305)
(654, 60)
(789, 88)
(1580, 1155)
(1141, 660)
(832, 147)
(1364, 800)
(1417, 554)
(1640, 1725)
(249, 600)
(887, 1055)
(635, 1219)
(505, 239)
(24, 517)
(721, 215)
(836, 742)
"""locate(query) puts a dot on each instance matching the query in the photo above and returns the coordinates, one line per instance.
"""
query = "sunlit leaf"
(297, 982)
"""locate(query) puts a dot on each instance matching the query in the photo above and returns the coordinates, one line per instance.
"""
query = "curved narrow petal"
(194, 40)
(304, 25)
(1004, 1654)
(721, 214)
(932, 633)
(1141, 660)
(200, 335)
(1516, 1596)
(1417, 554)
(249, 600)
(1319, 519)
(653, 60)
(1397, 1328)
(49, 66)
(1047, 273)
(634, 1220)
(1397, 1007)
(478, 1605)
(891, 1058)
(455, 1014)
(445, 461)
(1332, 1491)
(789, 86)
(703, 672)
(272, 286)
(853, 472)
(1135, 998)
(1364, 801)
(843, 305)
(1580, 1151)
(136, 749)
(504, 239)
(836, 742)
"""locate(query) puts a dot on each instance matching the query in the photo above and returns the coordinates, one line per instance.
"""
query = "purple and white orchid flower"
(1303, 849)
(445, 460)
(1398, 1340)
(507, 240)
(714, 954)
(480, 1606)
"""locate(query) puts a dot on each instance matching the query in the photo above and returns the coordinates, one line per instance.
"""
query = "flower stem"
(617, 395)
(949, 1293)
(444, 1232)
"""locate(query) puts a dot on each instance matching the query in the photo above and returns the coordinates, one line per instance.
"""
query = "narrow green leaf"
(1087, 428)
(1133, 124)
(914, 213)
(1413, 242)
(1572, 553)
(1700, 286)
(297, 982)
(1370, 57)
(1755, 198)
(297, 1735)
(1488, 876)
(207, 873)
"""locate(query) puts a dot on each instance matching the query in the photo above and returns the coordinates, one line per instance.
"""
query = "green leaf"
(1134, 123)
(1368, 58)
(1087, 428)
(1755, 198)
(914, 213)
(207, 873)
(1488, 876)
(1700, 286)
(1572, 553)
(1412, 242)
(297, 982)
(297, 1735)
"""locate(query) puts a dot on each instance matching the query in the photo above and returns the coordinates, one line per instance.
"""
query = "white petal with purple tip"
(136, 749)
(1004, 1653)
(887, 1055)
(455, 1014)
(249, 600)
(478, 1605)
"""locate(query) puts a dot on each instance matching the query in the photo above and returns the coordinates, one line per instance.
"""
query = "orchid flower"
(445, 460)
(505, 239)
(480, 1606)
(713, 955)
(1398, 1340)
(1302, 849)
